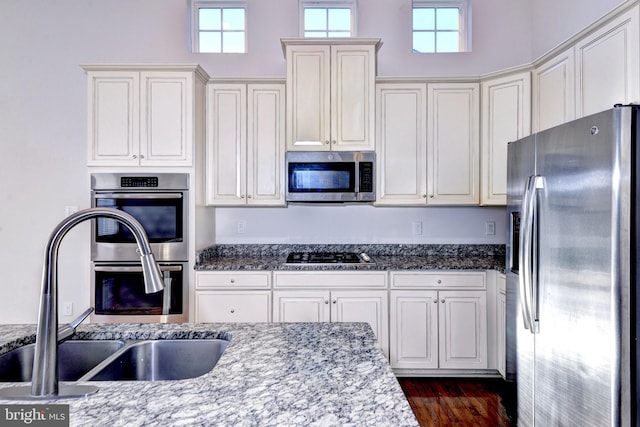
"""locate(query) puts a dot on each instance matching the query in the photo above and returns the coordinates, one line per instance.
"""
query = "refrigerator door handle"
(527, 261)
(524, 252)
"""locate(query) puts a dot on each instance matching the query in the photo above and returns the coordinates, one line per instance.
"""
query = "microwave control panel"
(366, 177)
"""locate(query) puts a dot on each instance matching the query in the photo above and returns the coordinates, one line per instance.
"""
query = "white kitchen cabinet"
(143, 116)
(330, 93)
(438, 320)
(401, 143)
(335, 306)
(506, 116)
(245, 144)
(610, 55)
(502, 325)
(453, 143)
(553, 94)
(233, 296)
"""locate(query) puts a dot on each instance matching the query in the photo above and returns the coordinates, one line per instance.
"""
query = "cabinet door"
(166, 131)
(505, 117)
(553, 92)
(301, 306)
(265, 144)
(414, 329)
(607, 66)
(453, 143)
(401, 144)
(353, 97)
(233, 306)
(363, 306)
(114, 110)
(226, 144)
(462, 322)
(308, 97)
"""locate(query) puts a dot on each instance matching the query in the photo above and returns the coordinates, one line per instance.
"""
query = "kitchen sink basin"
(75, 358)
(157, 360)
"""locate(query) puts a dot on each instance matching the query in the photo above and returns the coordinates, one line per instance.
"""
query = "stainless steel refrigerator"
(572, 297)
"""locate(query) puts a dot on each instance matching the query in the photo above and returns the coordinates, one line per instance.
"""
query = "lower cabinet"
(435, 328)
(335, 306)
(233, 306)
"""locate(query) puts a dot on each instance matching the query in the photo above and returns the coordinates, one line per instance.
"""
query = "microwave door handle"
(138, 196)
(166, 296)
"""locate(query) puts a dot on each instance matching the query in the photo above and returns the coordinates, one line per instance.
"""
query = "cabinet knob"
(424, 196)
(326, 301)
(326, 142)
(435, 300)
(134, 156)
(333, 142)
(142, 156)
(334, 301)
(431, 196)
(242, 196)
(233, 280)
(248, 197)
(442, 300)
(439, 281)
(232, 311)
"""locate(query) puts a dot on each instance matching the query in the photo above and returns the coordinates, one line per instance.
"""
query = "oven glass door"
(161, 215)
(119, 290)
(338, 177)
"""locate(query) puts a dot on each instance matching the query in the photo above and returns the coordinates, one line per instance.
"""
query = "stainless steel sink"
(157, 360)
(75, 358)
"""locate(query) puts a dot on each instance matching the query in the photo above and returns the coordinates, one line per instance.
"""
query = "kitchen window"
(441, 26)
(218, 27)
(327, 18)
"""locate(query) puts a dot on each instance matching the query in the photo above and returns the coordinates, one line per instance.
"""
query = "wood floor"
(460, 402)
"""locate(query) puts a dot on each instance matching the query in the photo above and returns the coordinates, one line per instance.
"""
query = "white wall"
(43, 111)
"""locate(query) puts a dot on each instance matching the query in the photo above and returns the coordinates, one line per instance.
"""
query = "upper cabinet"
(331, 93)
(453, 143)
(245, 144)
(506, 116)
(554, 92)
(143, 116)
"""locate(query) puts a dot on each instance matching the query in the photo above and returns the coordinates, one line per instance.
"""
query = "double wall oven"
(160, 203)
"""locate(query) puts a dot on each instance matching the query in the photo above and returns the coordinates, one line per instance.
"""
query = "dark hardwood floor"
(461, 402)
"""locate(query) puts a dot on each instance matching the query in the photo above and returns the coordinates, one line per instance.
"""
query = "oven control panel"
(138, 181)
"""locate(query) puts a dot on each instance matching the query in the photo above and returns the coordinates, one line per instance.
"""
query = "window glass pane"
(339, 34)
(340, 19)
(315, 19)
(209, 19)
(209, 42)
(424, 19)
(448, 18)
(315, 34)
(233, 42)
(233, 19)
(447, 42)
(424, 42)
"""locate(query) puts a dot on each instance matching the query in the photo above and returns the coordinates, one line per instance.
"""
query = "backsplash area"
(326, 224)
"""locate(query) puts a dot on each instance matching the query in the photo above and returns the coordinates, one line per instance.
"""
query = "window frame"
(464, 20)
(194, 22)
(327, 4)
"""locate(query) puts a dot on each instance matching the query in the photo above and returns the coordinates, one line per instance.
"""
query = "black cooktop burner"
(324, 258)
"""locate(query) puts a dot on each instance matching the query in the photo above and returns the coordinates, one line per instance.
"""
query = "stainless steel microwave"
(330, 176)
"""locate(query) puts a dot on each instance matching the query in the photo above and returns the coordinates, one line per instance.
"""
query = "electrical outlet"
(241, 227)
(68, 308)
(490, 228)
(417, 228)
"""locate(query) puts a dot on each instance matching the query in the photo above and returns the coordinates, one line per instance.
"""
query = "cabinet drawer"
(444, 279)
(330, 279)
(231, 306)
(233, 279)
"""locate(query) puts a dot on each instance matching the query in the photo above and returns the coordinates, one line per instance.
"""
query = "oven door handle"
(134, 269)
(138, 195)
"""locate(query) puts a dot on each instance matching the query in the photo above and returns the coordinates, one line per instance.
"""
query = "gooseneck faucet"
(45, 365)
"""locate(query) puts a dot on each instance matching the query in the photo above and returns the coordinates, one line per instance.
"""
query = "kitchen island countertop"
(272, 374)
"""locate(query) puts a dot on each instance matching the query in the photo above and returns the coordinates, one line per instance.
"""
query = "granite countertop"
(386, 257)
(272, 374)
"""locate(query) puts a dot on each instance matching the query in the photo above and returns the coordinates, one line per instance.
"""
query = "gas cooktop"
(328, 258)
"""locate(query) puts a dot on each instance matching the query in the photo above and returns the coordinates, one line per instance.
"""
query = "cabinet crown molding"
(196, 68)
(330, 41)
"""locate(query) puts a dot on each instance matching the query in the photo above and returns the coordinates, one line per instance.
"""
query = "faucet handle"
(65, 332)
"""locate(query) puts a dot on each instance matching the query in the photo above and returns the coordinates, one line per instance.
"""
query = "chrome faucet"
(44, 383)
